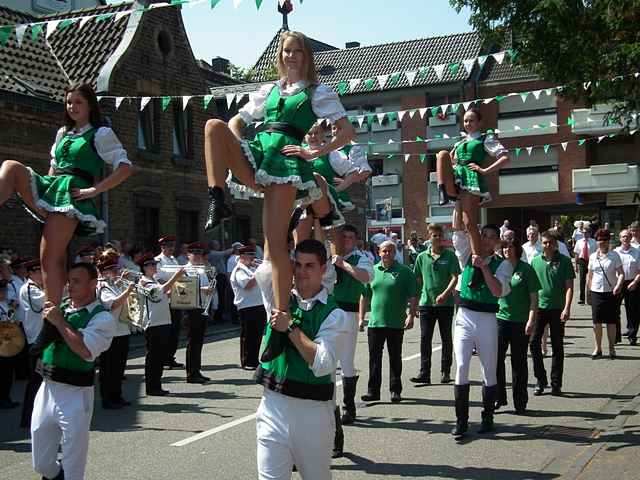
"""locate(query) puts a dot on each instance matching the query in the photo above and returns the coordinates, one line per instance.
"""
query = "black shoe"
(521, 410)
(461, 394)
(199, 375)
(348, 418)
(158, 393)
(217, 210)
(171, 364)
(370, 397)
(445, 378)
(421, 379)
(60, 476)
(612, 354)
(443, 196)
(500, 403)
(395, 397)
(595, 355)
(123, 402)
(556, 391)
(198, 380)
(488, 403)
(580, 302)
(295, 218)
(539, 390)
(111, 406)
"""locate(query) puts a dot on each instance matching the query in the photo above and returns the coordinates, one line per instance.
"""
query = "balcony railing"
(615, 177)
(594, 121)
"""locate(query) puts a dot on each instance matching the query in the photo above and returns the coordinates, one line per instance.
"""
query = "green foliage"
(572, 42)
(251, 75)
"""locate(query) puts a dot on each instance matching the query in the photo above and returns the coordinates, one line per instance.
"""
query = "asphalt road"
(208, 431)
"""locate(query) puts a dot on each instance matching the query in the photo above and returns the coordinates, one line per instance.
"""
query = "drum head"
(12, 339)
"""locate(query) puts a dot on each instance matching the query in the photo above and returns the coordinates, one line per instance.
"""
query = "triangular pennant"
(20, 29)
(369, 83)
(5, 33)
(360, 120)
(549, 91)
(236, 3)
(411, 76)
(423, 112)
(412, 113)
(601, 137)
(439, 69)
(546, 148)
(382, 80)
(455, 107)
(488, 100)
(401, 114)
(144, 101)
(482, 59)
(165, 103)
(230, 98)
(586, 85)
(380, 117)
(103, 17)
(529, 150)
(564, 145)
(120, 15)
(444, 108)
(454, 68)
(342, 87)
(392, 116)
(185, 101)
(518, 151)
(239, 97)
(36, 29)
(419, 139)
(468, 65)
(434, 111)
(83, 21)
(513, 54)
(394, 79)
(119, 101)
(51, 27)
(498, 57)
(536, 93)
(423, 157)
(466, 105)
(500, 98)
(524, 96)
(213, 3)
(423, 72)
(206, 100)
(353, 83)
(581, 141)
(258, 3)
(406, 157)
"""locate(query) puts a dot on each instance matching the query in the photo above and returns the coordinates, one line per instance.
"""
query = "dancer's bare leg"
(278, 198)
(221, 151)
(303, 230)
(15, 178)
(470, 207)
(322, 206)
(444, 173)
(56, 235)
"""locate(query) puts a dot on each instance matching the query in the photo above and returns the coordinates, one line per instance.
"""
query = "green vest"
(479, 299)
(322, 165)
(59, 354)
(294, 109)
(348, 290)
(288, 373)
(79, 152)
(471, 151)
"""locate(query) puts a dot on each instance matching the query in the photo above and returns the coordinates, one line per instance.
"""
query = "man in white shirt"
(578, 233)
(583, 250)
(505, 226)
(233, 258)
(295, 419)
(630, 257)
(531, 248)
(248, 300)
(63, 406)
(634, 229)
(7, 364)
(165, 258)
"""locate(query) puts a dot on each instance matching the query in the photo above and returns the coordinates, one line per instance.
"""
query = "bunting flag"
(342, 87)
(368, 83)
(382, 80)
(439, 69)
(468, 65)
(20, 31)
(119, 101)
(454, 68)
(185, 101)
(353, 83)
(165, 103)
(230, 98)
(5, 33)
(394, 79)
(411, 76)
(206, 100)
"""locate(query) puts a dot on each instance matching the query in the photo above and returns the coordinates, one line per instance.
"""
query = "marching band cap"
(147, 259)
(236, 245)
(108, 259)
(196, 247)
(19, 262)
(166, 239)
(86, 251)
(32, 263)
(248, 250)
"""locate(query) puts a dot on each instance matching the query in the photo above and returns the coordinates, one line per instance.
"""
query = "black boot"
(338, 440)
(443, 197)
(349, 399)
(488, 403)
(295, 219)
(60, 476)
(461, 394)
(331, 219)
(48, 335)
(217, 210)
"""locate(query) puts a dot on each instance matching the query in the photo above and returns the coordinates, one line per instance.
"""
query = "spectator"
(508, 236)
(233, 258)
(183, 251)
(583, 250)
(630, 257)
(505, 226)
(532, 247)
(379, 237)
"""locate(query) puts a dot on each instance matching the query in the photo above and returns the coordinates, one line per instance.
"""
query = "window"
(188, 225)
(182, 132)
(377, 165)
(148, 128)
(533, 116)
(147, 222)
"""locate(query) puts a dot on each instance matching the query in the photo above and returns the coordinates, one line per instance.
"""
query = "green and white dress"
(77, 158)
(288, 114)
(474, 148)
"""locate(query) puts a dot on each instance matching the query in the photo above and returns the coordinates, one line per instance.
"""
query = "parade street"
(208, 431)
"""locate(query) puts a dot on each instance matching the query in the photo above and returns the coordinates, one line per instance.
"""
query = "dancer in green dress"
(275, 162)
(462, 173)
(64, 198)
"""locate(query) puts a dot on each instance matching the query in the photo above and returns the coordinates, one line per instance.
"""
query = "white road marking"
(248, 418)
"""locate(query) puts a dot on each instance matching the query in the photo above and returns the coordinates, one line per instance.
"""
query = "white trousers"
(477, 329)
(294, 431)
(61, 414)
(347, 358)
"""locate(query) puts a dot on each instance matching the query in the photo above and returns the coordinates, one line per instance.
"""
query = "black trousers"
(252, 322)
(33, 384)
(632, 308)
(377, 337)
(428, 318)
(21, 364)
(549, 317)
(157, 344)
(113, 362)
(512, 334)
(582, 273)
(174, 335)
(222, 284)
(7, 367)
(196, 325)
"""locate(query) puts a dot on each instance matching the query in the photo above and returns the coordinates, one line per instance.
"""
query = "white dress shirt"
(99, 331)
(244, 297)
(592, 246)
(107, 296)
(630, 261)
(156, 313)
(603, 277)
(529, 251)
(31, 306)
(163, 261)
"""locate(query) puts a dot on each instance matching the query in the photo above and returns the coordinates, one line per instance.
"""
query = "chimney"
(221, 65)
(352, 44)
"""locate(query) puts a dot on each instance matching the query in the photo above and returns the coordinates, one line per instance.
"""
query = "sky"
(242, 34)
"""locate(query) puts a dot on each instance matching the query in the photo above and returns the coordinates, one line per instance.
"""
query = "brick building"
(140, 54)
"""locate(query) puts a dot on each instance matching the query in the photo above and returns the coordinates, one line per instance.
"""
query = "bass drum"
(12, 339)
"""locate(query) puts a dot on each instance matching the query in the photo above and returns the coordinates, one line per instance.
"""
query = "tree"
(592, 47)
